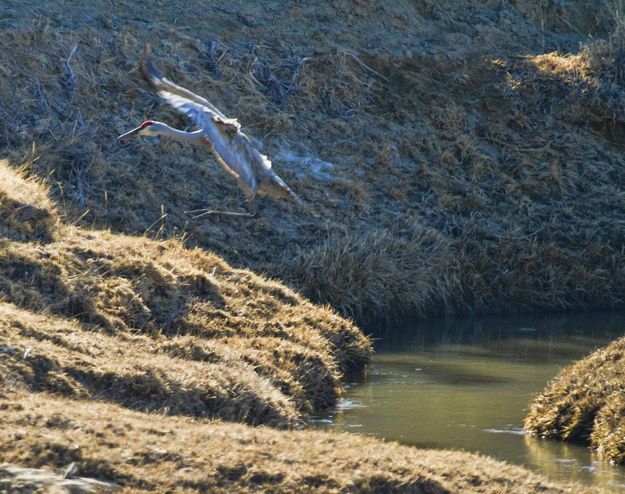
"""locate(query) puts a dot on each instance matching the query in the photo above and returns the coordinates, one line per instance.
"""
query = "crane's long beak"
(128, 134)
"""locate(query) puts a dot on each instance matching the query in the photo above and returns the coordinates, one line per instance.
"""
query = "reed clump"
(365, 275)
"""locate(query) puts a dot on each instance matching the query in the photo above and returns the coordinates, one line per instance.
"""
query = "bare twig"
(81, 217)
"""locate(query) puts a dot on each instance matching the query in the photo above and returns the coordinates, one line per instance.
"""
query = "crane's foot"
(201, 213)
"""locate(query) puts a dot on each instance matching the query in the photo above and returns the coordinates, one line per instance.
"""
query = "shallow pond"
(466, 383)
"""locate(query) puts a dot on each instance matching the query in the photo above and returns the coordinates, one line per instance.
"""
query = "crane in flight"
(232, 148)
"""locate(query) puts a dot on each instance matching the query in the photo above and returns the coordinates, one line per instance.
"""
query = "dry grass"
(146, 453)
(364, 275)
(154, 326)
(585, 403)
(26, 211)
(560, 15)
(57, 355)
(119, 354)
(468, 136)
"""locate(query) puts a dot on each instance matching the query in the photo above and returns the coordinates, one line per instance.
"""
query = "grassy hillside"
(144, 365)
(469, 154)
(155, 326)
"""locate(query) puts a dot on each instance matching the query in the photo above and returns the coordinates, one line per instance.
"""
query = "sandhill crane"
(232, 148)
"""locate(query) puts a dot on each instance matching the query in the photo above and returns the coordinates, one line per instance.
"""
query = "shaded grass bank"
(475, 136)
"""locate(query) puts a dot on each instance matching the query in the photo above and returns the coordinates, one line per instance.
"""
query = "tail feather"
(296, 198)
(292, 195)
(278, 188)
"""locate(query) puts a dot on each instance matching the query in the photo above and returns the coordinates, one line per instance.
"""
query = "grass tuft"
(584, 403)
(26, 210)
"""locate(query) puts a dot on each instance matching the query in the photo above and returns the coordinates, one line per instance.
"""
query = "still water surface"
(467, 383)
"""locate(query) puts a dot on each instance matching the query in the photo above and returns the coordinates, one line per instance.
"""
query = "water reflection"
(465, 383)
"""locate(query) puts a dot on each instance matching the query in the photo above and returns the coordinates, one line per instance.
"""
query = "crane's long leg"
(252, 211)
(210, 212)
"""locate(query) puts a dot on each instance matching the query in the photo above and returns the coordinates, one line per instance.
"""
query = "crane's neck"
(161, 129)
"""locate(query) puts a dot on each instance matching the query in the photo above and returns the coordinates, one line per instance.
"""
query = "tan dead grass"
(155, 326)
(427, 130)
(145, 453)
(364, 275)
(44, 353)
(585, 403)
(26, 211)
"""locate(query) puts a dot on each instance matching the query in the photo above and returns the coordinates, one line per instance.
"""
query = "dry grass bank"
(585, 403)
(129, 361)
(144, 453)
(154, 326)
(432, 127)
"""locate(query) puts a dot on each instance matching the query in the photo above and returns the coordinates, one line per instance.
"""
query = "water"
(467, 383)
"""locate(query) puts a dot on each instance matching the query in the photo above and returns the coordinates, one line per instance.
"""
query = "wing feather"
(232, 148)
(160, 83)
(197, 114)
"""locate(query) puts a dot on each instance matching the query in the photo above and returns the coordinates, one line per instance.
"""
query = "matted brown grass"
(585, 403)
(145, 453)
(155, 326)
(385, 129)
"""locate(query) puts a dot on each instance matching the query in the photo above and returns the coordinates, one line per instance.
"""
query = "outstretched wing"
(233, 149)
(160, 83)
(200, 116)
(221, 134)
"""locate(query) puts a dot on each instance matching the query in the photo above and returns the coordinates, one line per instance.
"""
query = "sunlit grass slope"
(585, 402)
